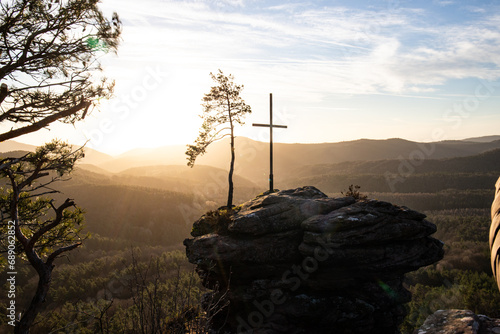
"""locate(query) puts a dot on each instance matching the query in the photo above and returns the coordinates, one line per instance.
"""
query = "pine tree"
(223, 108)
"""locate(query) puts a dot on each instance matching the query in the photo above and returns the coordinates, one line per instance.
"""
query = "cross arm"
(269, 125)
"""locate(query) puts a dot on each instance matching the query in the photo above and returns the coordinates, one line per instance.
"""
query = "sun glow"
(332, 78)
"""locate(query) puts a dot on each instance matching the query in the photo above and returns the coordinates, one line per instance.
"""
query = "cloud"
(443, 3)
(474, 9)
(333, 49)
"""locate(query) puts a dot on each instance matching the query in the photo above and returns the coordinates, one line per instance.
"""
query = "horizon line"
(260, 141)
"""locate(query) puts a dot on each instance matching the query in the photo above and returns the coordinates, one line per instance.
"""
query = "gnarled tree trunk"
(44, 277)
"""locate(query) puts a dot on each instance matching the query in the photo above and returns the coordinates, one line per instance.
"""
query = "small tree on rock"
(222, 109)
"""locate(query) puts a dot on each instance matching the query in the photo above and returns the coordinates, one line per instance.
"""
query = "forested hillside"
(153, 208)
(430, 184)
(155, 205)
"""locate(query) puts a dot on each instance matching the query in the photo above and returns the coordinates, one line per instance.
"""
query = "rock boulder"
(298, 261)
(459, 321)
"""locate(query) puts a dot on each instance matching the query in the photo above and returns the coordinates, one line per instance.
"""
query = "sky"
(338, 70)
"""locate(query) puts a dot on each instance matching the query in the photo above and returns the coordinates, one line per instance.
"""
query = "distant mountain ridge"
(488, 161)
(166, 155)
(252, 157)
(403, 175)
(483, 139)
(153, 189)
(11, 145)
(91, 156)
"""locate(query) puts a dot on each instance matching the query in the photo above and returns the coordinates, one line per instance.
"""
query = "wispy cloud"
(443, 3)
(475, 9)
(360, 50)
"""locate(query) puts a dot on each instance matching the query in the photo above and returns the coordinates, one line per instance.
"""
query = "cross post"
(270, 126)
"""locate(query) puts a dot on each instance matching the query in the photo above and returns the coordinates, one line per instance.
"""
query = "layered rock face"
(298, 261)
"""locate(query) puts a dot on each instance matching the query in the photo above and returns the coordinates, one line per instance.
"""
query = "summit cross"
(270, 126)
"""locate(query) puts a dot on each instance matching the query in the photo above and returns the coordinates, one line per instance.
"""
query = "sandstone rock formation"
(297, 261)
(459, 321)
